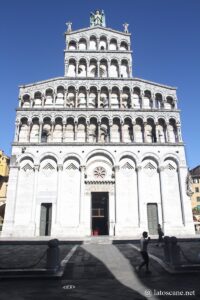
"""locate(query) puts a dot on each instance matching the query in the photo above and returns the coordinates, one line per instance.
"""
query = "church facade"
(98, 151)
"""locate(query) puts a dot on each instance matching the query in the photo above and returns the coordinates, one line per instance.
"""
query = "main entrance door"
(45, 218)
(100, 213)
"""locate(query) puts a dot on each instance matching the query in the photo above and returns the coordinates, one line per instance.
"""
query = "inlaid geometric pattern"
(128, 166)
(71, 167)
(149, 166)
(170, 167)
(48, 167)
(27, 168)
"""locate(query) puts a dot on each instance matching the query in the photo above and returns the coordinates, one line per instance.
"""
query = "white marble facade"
(97, 133)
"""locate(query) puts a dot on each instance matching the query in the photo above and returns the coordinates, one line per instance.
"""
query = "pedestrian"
(160, 235)
(144, 253)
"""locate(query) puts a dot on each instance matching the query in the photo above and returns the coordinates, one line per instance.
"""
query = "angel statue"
(97, 18)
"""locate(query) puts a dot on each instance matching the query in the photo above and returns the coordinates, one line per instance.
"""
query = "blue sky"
(165, 44)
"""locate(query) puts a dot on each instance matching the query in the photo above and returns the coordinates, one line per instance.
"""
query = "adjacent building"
(4, 173)
(97, 151)
(195, 198)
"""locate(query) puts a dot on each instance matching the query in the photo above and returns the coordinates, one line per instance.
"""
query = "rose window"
(99, 172)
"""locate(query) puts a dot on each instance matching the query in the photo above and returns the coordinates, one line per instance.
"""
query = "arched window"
(37, 99)
(82, 44)
(92, 103)
(103, 43)
(71, 68)
(71, 96)
(115, 98)
(114, 68)
(72, 45)
(113, 44)
(103, 72)
(123, 46)
(60, 95)
(124, 69)
(82, 68)
(93, 68)
(93, 43)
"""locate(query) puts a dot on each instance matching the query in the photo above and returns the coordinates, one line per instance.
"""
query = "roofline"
(102, 79)
(100, 27)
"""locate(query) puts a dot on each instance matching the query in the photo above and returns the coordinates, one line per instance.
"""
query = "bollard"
(175, 257)
(53, 255)
(167, 248)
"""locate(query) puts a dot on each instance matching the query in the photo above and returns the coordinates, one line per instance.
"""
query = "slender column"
(157, 133)
(87, 71)
(99, 132)
(161, 180)
(65, 98)
(66, 67)
(181, 190)
(130, 70)
(108, 64)
(109, 98)
(109, 135)
(54, 98)
(87, 130)
(17, 125)
(43, 100)
(20, 101)
(87, 98)
(75, 129)
(76, 99)
(59, 186)
(98, 71)
(133, 136)
(98, 98)
(179, 136)
(144, 132)
(82, 192)
(120, 99)
(142, 101)
(76, 73)
(122, 131)
(167, 133)
(52, 130)
(140, 204)
(40, 131)
(98, 44)
(64, 130)
(153, 101)
(29, 129)
(117, 184)
(35, 185)
(175, 104)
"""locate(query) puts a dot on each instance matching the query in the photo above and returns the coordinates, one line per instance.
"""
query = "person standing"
(144, 252)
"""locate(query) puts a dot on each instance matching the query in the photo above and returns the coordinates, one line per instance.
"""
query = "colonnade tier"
(104, 68)
(97, 131)
(94, 43)
(103, 98)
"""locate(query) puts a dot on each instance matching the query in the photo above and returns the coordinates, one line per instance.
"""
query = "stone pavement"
(101, 271)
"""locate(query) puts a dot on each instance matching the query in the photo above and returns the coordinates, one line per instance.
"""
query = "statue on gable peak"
(97, 18)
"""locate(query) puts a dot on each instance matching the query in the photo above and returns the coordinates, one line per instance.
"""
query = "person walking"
(160, 235)
(144, 252)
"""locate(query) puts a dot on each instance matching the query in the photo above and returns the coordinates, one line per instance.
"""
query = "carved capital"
(138, 168)
(161, 169)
